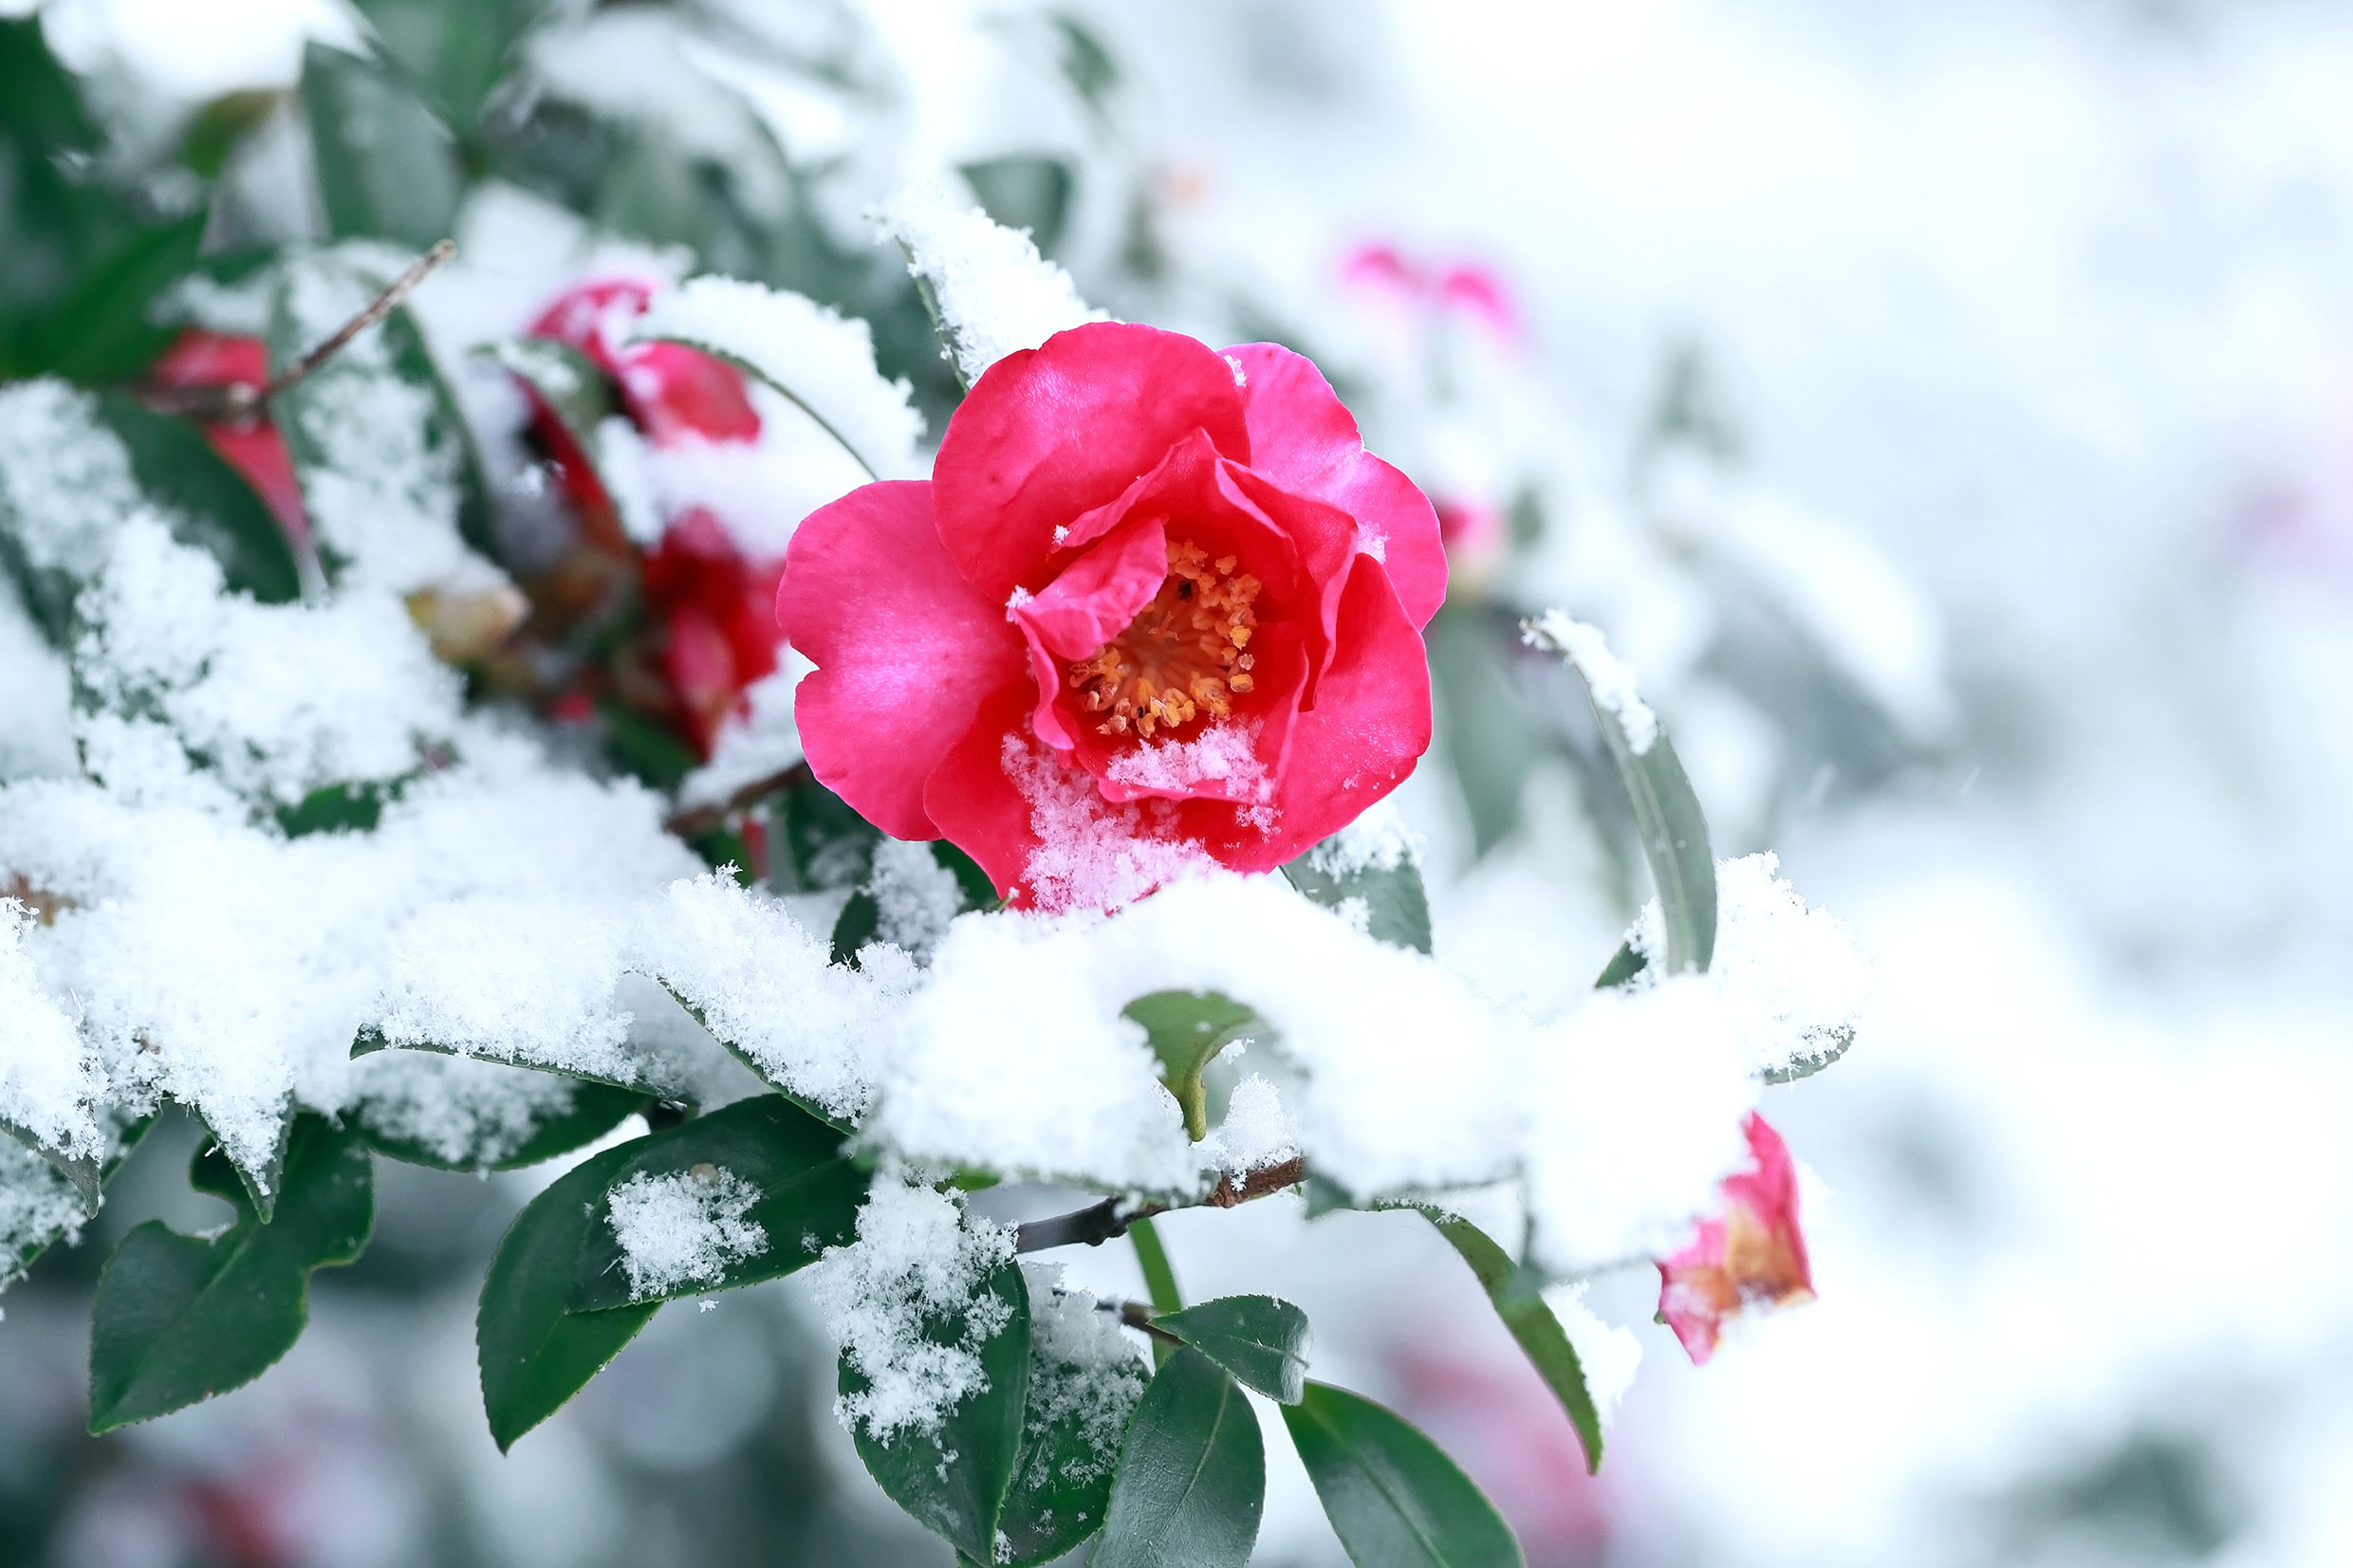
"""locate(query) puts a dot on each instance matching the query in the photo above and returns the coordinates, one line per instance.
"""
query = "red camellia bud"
(1752, 1255)
(253, 447)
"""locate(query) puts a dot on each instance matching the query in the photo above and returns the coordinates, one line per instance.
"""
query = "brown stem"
(704, 818)
(240, 402)
(1101, 1222)
(1137, 1316)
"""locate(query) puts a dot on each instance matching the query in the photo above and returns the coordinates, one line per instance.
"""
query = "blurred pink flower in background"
(1751, 1255)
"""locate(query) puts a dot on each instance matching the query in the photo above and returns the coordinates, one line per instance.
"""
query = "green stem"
(1160, 1280)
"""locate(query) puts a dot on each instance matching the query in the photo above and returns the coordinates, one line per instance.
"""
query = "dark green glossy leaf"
(213, 508)
(954, 1479)
(808, 1196)
(580, 1114)
(455, 53)
(43, 1197)
(535, 1355)
(1397, 906)
(1077, 1414)
(1517, 1301)
(82, 1173)
(1193, 1477)
(180, 1319)
(1393, 1496)
(100, 330)
(1261, 1339)
(387, 167)
(1029, 191)
(1667, 820)
(828, 845)
(1187, 1030)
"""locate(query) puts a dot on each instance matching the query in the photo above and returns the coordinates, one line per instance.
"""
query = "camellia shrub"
(794, 824)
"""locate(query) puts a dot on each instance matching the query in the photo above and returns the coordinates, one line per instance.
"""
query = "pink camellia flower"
(254, 447)
(1753, 1255)
(1156, 604)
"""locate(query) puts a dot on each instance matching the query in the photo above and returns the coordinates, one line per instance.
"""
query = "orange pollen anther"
(1180, 658)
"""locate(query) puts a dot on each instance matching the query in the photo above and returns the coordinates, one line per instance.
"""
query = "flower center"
(1183, 656)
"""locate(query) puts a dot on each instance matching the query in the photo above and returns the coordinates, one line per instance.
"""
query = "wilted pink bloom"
(1752, 1255)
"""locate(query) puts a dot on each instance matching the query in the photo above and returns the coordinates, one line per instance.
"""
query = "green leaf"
(214, 130)
(1622, 967)
(100, 330)
(80, 1172)
(351, 807)
(534, 1353)
(1085, 63)
(1260, 1339)
(1486, 725)
(213, 508)
(828, 845)
(1076, 1414)
(861, 920)
(809, 1194)
(180, 1319)
(1827, 1046)
(1152, 1260)
(1187, 1030)
(1517, 1301)
(1393, 1496)
(1397, 906)
(1193, 1477)
(1667, 820)
(954, 1479)
(575, 391)
(42, 1196)
(1027, 190)
(659, 1076)
(584, 1115)
(455, 53)
(387, 167)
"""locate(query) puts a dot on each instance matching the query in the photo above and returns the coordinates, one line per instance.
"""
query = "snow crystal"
(1014, 1056)
(994, 293)
(1609, 1356)
(1223, 754)
(1607, 676)
(381, 491)
(64, 479)
(1377, 841)
(684, 1229)
(48, 1085)
(1789, 975)
(918, 1258)
(517, 977)
(1084, 1369)
(1636, 1101)
(279, 699)
(819, 359)
(466, 1113)
(915, 895)
(766, 986)
(1092, 853)
(1257, 1131)
(36, 1204)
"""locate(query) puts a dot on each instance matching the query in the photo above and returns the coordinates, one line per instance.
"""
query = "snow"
(1609, 678)
(758, 740)
(1224, 756)
(1257, 1131)
(819, 359)
(919, 1258)
(64, 479)
(1379, 840)
(1092, 853)
(37, 1204)
(1083, 1367)
(685, 1227)
(1609, 1355)
(994, 293)
(472, 1114)
(1787, 973)
(47, 1084)
(915, 896)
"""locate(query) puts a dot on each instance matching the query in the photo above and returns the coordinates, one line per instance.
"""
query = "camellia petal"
(1051, 432)
(1752, 1255)
(1303, 438)
(906, 653)
(1371, 721)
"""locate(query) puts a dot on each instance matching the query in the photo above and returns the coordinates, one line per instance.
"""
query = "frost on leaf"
(1085, 1378)
(1607, 676)
(684, 1229)
(917, 1262)
(992, 290)
(37, 1206)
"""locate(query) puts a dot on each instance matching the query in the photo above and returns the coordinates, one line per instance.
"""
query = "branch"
(703, 819)
(239, 403)
(1102, 1221)
(1137, 1316)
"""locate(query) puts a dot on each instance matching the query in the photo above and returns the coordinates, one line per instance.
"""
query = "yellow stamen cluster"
(1185, 655)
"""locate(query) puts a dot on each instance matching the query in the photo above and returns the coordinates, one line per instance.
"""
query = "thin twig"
(1137, 1316)
(238, 402)
(696, 821)
(1101, 1222)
